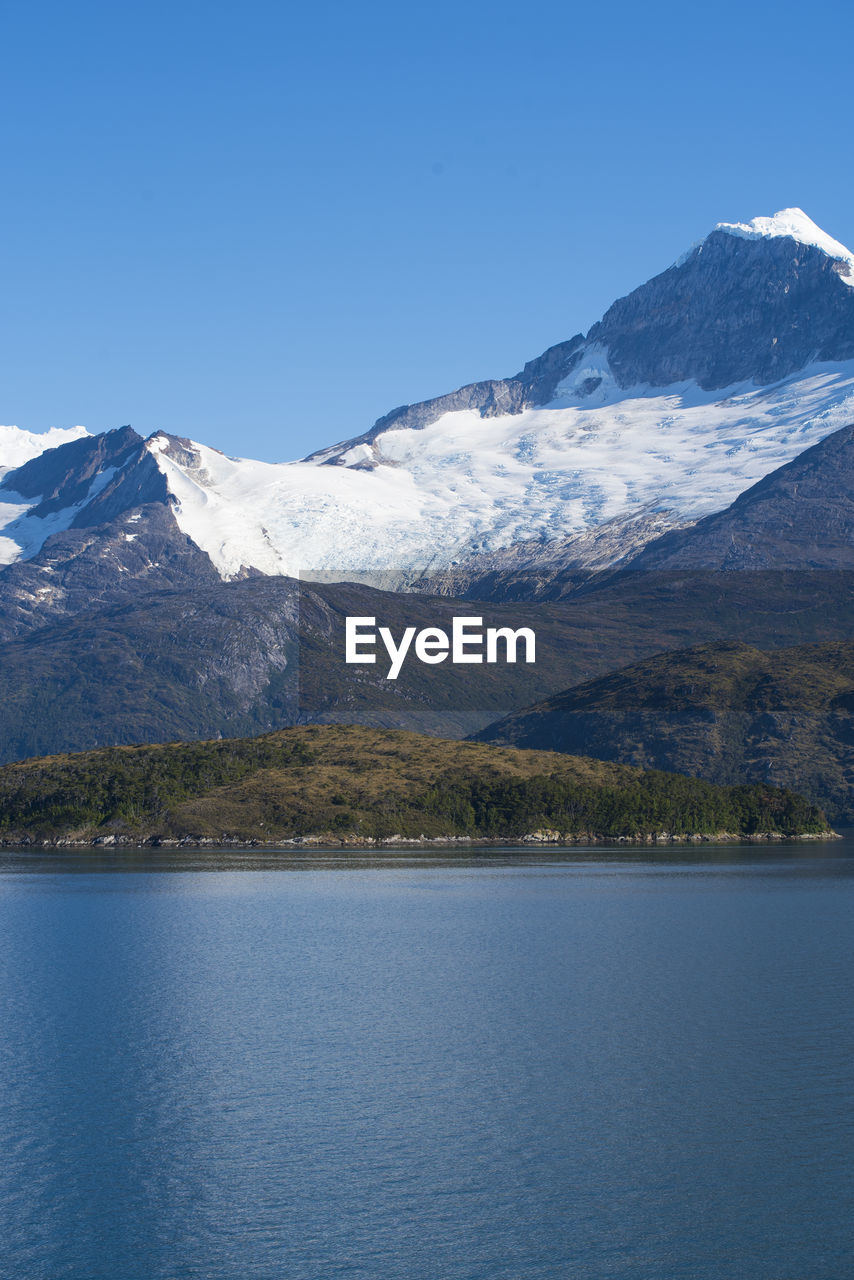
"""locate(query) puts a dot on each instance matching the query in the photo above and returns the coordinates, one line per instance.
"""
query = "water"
(588, 1066)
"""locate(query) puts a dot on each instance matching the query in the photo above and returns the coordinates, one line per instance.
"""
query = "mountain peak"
(753, 302)
(796, 225)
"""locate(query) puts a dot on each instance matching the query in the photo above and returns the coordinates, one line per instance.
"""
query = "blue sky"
(265, 225)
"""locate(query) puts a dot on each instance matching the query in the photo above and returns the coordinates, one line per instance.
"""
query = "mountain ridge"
(688, 391)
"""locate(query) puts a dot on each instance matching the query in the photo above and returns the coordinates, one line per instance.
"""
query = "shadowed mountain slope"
(724, 712)
(244, 657)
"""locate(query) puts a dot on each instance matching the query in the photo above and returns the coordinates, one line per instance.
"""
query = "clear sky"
(264, 225)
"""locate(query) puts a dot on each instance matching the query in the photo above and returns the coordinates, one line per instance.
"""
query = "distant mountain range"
(689, 390)
(704, 425)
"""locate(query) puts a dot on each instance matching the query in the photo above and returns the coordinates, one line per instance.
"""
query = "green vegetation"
(654, 802)
(355, 783)
(130, 786)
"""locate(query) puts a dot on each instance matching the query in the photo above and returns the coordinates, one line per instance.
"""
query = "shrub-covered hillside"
(355, 784)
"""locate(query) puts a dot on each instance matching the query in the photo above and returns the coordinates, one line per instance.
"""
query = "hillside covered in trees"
(356, 785)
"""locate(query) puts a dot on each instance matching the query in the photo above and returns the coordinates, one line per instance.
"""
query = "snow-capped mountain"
(721, 369)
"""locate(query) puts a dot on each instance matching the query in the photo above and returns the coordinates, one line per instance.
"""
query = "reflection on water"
(799, 856)
(589, 1063)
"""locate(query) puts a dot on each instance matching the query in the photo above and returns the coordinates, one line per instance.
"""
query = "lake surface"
(582, 1066)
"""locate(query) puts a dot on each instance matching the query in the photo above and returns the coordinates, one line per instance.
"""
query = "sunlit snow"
(18, 446)
(466, 484)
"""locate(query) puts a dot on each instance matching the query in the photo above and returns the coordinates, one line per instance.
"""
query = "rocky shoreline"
(533, 839)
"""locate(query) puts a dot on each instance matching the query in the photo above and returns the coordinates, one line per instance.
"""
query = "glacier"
(465, 485)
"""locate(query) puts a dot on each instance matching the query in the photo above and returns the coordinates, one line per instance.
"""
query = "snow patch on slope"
(466, 484)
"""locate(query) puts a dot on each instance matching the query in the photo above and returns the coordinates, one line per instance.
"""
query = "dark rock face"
(736, 309)
(192, 657)
(121, 544)
(801, 516)
(490, 399)
(139, 482)
(99, 564)
(164, 666)
(62, 477)
(235, 658)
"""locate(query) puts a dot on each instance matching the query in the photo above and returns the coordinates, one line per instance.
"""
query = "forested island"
(352, 785)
